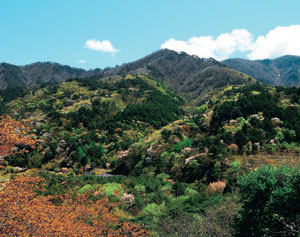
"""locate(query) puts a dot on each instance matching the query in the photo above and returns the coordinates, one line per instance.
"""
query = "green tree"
(271, 202)
(81, 156)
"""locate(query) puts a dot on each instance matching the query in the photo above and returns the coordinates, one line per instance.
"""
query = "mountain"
(189, 75)
(283, 71)
(51, 72)
(132, 136)
(19, 76)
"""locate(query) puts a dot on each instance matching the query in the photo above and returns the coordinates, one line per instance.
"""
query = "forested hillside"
(134, 144)
(132, 118)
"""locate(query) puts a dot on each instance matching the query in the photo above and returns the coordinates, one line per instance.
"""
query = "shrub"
(182, 144)
(35, 160)
(153, 209)
(270, 148)
(180, 225)
(270, 202)
(111, 188)
(233, 148)
(218, 219)
(140, 188)
(85, 189)
(216, 187)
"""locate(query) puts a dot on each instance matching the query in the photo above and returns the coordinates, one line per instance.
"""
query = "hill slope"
(80, 112)
(189, 75)
(135, 124)
(283, 71)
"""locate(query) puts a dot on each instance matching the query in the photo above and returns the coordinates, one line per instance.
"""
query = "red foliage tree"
(14, 133)
(25, 213)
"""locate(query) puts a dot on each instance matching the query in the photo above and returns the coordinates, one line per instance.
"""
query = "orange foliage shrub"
(24, 213)
(14, 133)
(234, 148)
(269, 162)
(216, 187)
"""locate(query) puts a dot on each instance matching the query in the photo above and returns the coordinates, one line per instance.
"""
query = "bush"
(271, 202)
(180, 225)
(153, 209)
(85, 188)
(35, 160)
(216, 187)
(182, 144)
(111, 188)
(218, 219)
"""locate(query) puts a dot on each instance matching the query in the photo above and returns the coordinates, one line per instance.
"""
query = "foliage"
(152, 210)
(158, 110)
(111, 189)
(86, 188)
(182, 144)
(26, 213)
(270, 202)
(180, 160)
(14, 134)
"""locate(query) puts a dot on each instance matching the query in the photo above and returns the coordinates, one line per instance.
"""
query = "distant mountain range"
(283, 71)
(183, 73)
(18, 76)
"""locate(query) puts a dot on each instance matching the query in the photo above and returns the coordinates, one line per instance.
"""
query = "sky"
(104, 33)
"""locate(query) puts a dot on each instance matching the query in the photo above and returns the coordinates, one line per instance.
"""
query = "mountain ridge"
(30, 73)
(186, 74)
(282, 71)
(43, 72)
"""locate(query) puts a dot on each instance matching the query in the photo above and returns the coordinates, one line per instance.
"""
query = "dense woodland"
(131, 157)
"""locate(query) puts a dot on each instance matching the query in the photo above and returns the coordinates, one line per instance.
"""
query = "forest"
(128, 156)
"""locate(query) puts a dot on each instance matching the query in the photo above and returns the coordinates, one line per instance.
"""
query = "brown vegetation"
(14, 133)
(216, 187)
(25, 213)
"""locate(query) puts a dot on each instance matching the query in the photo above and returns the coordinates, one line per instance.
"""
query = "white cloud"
(103, 46)
(81, 61)
(277, 42)
(220, 48)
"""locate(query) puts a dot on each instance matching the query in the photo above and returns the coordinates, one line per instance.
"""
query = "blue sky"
(72, 32)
